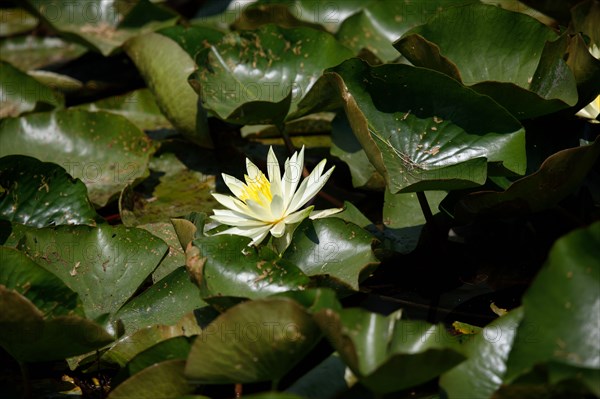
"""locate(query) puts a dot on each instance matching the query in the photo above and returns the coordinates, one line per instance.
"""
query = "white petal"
(277, 207)
(278, 229)
(273, 166)
(230, 202)
(323, 213)
(234, 221)
(256, 233)
(235, 185)
(253, 172)
(299, 216)
(292, 175)
(261, 212)
(310, 187)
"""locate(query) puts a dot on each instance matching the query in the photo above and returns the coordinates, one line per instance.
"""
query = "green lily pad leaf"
(161, 380)
(180, 191)
(188, 228)
(99, 24)
(104, 150)
(423, 130)
(175, 257)
(132, 344)
(229, 268)
(260, 13)
(16, 20)
(41, 194)
(139, 106)
(558, 176)
(325, 381)
(46, 291)
(105, 265)
(313, 299)
(405, 353)
(334, 252)
(165, 67)
(346, 147)
(165, 302)
(32, 52)
(380, 23)
(28, 336)
(482, 373)
(566, 289)
(521, 72)
(259, 77)
(352, 214)
(169, 349)
(585, 67)
(192, 39)
(403, 218)
(20, 93)
(254, 341)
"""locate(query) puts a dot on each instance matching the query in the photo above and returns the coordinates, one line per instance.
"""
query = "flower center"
(257, 189)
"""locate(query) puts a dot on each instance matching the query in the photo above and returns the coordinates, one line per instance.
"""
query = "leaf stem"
(27, 393)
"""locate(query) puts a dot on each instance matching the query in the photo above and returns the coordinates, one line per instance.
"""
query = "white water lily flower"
(262, 206)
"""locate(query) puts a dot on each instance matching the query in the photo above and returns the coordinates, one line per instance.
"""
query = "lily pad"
(259, 77)
(405, 353)
(165, 67)
(403, 218)
(425, 131)
(105, 265)
(16, 20)
(28, 336)
(521, 72)
(482, 373)
(377, 25)
(132, 344)
(20, 93)
(558, 176)
(229, 268)
(46, 291)
(104, 150)
(32, 52)
(169, 349)
(175, 257)
(165, 302)
(346, 147)
(139, 106)
(41, 194)
(566, 289)
(333, 252)
(180, 191)
(258, 340)
(161, 380)
(99, 24)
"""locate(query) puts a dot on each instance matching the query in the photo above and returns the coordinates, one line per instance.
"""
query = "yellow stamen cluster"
(255, 187)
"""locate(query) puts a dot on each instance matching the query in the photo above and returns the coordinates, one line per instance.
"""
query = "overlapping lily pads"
(388, 354)
(41, 317)
(423, 130)
(41, 194)
(105, 265)
(557, 177)
(259, 77)
(254, 341)
(104, 150)
(521, 72)
(379, 23)
(165, 66)
(20, 93)
(99, 24)
(566, 289)
(333, 251)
